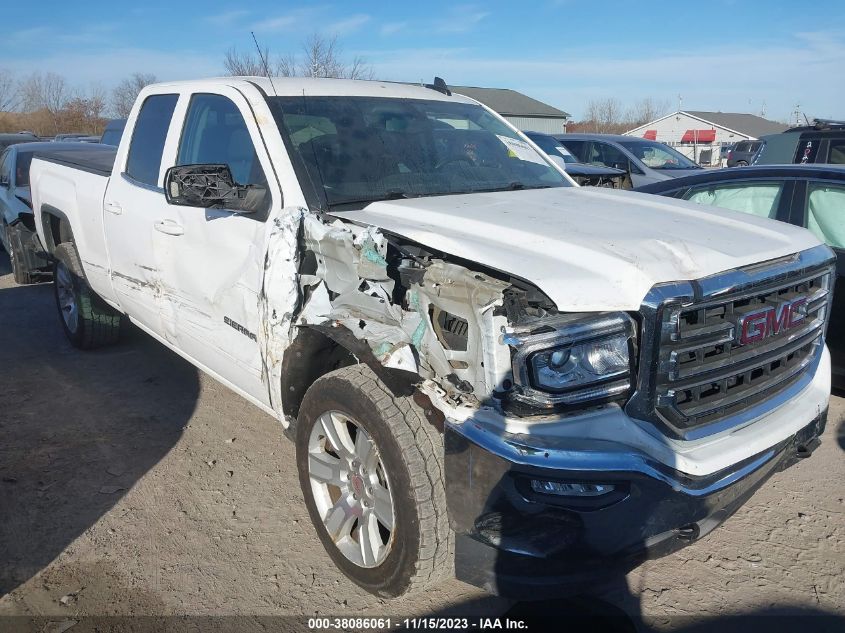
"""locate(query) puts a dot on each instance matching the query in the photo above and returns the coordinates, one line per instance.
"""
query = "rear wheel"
(371, 470)
(87, 320)
(741, 163)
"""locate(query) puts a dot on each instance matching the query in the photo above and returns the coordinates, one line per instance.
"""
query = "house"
(695, 127)
(524, 112)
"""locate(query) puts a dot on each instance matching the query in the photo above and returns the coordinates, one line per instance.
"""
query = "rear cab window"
(143, 162)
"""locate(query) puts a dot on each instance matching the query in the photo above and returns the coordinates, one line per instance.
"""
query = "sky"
(729, 55)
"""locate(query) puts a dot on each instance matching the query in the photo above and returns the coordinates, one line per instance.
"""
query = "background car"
(806, 195)
(588, 175)
(646, 161)
(17, 222)
(20, 137)
(742, 154)
(821, 142)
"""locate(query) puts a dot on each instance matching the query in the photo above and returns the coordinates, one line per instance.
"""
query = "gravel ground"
(131, 484)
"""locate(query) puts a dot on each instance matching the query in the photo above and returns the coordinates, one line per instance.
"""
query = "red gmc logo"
(771, 320)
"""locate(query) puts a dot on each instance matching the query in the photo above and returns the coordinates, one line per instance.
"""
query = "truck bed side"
(67, 191)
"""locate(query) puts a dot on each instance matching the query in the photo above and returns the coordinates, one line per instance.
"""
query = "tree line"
(46, 104)
(609, 116)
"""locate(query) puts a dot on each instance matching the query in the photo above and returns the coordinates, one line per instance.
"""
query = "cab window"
(5, 167)
(215, 133)
(825, 215)
(758, 198)
(144, 160)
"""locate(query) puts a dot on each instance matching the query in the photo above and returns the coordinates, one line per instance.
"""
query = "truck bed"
(91, 157)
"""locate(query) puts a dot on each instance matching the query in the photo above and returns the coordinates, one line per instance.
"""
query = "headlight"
(574, 359)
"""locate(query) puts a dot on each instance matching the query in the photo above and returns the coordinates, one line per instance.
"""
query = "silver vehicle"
(647, 161)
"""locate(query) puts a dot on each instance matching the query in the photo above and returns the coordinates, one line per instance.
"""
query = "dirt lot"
(132, 485)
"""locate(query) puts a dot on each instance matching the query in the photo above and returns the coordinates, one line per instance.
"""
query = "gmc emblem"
(759, 324)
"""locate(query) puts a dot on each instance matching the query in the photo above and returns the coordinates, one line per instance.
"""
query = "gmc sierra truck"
(487, 370)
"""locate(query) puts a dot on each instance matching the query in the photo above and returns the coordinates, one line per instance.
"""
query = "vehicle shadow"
(77, 429)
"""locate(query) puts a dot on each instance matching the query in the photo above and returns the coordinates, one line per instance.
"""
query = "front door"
(213, 259)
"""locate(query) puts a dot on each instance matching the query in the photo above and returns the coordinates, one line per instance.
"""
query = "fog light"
(570, 489)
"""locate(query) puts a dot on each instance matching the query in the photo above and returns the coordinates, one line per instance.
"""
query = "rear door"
(212, 260)
(131, 209)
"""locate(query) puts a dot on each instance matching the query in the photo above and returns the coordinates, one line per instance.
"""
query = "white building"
(699, 134)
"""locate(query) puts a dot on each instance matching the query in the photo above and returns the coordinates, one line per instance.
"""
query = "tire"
(87, 320)
(741, 163)
(21, 275)
(407, 463)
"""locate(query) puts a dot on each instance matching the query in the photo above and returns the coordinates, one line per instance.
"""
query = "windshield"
(361, 149)
(658, 156)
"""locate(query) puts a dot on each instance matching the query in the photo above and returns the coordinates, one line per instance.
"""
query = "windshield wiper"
(389, 195)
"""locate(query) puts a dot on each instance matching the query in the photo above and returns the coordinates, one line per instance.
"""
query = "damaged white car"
(486, 369)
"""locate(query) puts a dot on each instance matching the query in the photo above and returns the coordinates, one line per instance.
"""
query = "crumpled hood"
(588, 249)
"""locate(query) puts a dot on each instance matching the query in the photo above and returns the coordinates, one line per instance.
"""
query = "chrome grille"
(696, 371)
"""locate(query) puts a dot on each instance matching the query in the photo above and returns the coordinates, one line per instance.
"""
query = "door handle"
(169, 227)
(113, 207)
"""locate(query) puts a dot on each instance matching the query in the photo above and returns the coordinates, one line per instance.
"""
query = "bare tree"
(124, 95)
(9, 90)
(321, 57)
(646, 110)
(48, 92)
(237, 63)
(604, 116)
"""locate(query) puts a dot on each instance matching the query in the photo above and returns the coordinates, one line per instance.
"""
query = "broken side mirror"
(211, 187)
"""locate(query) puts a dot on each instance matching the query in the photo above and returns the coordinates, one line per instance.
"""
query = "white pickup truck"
(486, 369)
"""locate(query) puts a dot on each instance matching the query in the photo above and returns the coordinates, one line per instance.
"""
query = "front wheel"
(371, 470)
(87, 320)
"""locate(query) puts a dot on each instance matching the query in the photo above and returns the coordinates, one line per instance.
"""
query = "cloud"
(391, 28)
(110, 65)
(227, 17)
(348, 25)
(306, 18)
(461, 19)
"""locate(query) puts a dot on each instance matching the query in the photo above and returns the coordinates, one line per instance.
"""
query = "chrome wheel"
(67, 297)
(351, 488)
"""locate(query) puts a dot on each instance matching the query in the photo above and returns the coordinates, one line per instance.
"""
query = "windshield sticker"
(521, 150)
(560, 149)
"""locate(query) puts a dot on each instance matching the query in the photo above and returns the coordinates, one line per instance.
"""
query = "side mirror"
(211, 187)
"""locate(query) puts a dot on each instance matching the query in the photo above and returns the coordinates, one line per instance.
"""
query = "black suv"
(821, 142)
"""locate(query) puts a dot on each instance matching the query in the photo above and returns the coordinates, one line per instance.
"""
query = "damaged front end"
(466, 336)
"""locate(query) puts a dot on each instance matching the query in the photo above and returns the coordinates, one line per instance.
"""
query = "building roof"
(509, 102)
(748, 124)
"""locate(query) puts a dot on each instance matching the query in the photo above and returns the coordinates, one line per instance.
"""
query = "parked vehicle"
(469, 351)
(69, 136)
(113, 132)
(812, 196)
(647, 161)
(17, 223)
(743, 153)
(588, 175)
(821, 142)
(13, 139)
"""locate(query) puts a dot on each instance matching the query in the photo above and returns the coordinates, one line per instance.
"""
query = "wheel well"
(318, 350)
(311, 355)
(56, 229)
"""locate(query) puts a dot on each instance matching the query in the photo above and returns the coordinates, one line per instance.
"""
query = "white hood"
(587, 249)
